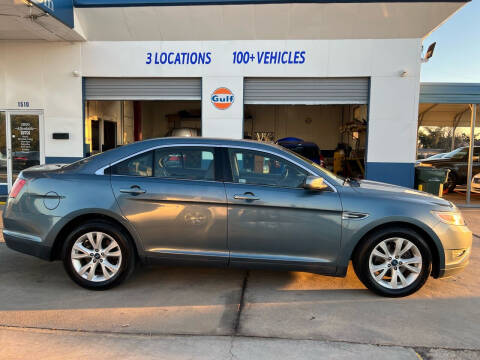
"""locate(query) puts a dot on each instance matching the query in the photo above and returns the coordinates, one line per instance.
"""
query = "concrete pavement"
(23, 344)
(215, 313)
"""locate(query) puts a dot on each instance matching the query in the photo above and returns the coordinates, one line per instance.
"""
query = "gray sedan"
(198, 201)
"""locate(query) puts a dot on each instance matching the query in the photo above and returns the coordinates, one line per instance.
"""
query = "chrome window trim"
(101, 171)
(166, 178)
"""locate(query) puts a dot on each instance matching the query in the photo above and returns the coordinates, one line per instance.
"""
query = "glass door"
(23, 144)
(3, 149)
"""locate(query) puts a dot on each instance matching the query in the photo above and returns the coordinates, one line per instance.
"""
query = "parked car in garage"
(183, 132)
(229, 203)
(457, 162)
(307, 149)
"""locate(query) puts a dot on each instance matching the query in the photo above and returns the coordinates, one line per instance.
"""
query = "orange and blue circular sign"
(222, 98)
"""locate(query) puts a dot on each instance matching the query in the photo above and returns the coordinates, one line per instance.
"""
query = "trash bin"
(430, 179)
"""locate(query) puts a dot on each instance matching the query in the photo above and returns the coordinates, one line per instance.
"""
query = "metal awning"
(449, 93)
(447, 104)
(444, 115)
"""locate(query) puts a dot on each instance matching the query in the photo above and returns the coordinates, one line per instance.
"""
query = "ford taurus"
(229, 203)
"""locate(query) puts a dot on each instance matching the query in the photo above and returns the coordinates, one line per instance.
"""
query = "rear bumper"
(27, 244)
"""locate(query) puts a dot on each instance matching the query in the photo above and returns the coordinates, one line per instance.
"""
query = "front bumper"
(476, 187)
(457, 246)
(27, 244)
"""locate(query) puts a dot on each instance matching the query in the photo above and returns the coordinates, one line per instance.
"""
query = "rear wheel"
(97, 255)
(393, 262)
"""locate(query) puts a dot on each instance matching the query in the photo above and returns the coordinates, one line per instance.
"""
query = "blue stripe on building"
(61, 159)
(402, 174)
(61, 10)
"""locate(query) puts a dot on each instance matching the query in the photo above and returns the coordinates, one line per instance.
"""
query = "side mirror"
(315, 183)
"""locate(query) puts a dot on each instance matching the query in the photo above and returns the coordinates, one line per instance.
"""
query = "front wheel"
(393, 262)
(98, 255)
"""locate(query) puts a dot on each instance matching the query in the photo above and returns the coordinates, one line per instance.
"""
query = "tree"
(435, 137)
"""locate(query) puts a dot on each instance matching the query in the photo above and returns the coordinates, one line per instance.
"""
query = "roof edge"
(131, 3)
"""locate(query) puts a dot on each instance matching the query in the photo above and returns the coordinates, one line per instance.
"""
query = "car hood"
(399, 193)
(434, 162)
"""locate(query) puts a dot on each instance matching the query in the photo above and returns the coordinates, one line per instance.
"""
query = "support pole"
(473, 109)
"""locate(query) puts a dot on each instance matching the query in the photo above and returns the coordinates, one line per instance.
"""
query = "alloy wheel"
(395, 263)
(96, 256)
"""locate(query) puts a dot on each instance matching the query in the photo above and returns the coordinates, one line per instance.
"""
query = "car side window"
(140, 165)
(190, 163)
(259, 168)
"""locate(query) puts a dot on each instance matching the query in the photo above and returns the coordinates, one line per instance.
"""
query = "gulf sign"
(222, 98)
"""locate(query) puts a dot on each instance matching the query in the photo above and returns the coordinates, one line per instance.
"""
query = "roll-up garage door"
(143, 89)
(306, 91)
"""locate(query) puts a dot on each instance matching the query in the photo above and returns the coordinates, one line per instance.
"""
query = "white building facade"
(291, 69)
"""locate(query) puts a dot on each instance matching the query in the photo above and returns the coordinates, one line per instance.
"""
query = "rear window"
(188, 163)
(140, 165)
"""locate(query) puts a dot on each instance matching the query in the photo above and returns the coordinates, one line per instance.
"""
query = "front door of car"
(173, 200)
(274, 221)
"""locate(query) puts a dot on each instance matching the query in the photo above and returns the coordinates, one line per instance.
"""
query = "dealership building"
(84, 76)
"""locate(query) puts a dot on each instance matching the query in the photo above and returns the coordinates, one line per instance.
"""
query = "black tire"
(361, 260)
(127, 264)
(451, 182)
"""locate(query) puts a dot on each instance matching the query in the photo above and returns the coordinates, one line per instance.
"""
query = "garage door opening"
(323, 119)
(112, 123)
(334, 135)
(119, 111)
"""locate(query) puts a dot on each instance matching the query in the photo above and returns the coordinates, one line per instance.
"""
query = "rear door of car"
(174, 200)
(273, 221)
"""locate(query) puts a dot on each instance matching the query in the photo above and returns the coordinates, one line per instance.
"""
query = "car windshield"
(317, 166)
(459, 153)
(437, 156)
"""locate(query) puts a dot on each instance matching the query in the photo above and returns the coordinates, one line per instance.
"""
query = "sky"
(457, 53)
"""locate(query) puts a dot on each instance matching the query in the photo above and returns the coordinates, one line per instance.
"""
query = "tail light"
(17, 187)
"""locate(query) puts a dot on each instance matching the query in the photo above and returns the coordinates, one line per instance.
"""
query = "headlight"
(451, 218)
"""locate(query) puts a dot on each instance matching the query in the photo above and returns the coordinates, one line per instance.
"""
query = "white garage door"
(306, 91)
(143, 89)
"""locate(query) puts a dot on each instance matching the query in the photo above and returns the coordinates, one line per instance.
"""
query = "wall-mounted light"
(403, 73)
(429, 52)
(76, 73)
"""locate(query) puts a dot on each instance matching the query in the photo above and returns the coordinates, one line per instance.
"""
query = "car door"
(173, 199)
(274, 221)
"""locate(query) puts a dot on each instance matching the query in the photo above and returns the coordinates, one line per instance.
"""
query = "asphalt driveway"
(445, 314)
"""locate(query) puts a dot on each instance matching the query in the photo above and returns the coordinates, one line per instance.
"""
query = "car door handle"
(246, 196)
(134, 190)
